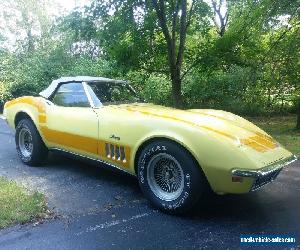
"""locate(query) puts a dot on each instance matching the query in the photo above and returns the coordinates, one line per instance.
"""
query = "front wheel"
(30, 146)
(170, 177)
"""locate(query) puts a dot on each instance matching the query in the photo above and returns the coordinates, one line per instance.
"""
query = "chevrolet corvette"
(177, 155)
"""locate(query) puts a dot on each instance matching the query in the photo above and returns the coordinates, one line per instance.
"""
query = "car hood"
(218, 122)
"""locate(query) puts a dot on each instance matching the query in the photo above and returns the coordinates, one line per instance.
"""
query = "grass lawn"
(19, 206)
(282, 129)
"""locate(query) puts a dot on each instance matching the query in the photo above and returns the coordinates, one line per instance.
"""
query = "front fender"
(215, 155)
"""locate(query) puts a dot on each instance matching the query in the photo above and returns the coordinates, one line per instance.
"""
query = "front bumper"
(265, 175)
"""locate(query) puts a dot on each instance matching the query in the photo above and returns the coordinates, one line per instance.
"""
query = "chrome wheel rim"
(165, 177)
(25, 142)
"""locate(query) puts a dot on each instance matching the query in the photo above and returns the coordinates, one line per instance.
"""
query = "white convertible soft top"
(53, 86)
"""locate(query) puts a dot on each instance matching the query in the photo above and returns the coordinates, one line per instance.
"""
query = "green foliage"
(252, 69)
(231, 90)
(5, 94)
(153, 88)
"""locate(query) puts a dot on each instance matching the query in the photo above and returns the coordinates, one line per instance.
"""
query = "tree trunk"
(298, 115)
(176, 88)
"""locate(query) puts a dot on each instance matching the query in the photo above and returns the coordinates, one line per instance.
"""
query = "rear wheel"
(170, 177)
(30, 146)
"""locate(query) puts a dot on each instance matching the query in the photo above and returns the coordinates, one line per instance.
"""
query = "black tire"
(38, 151)
(153, 163)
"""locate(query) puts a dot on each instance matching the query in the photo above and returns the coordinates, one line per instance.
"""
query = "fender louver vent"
(115, 152)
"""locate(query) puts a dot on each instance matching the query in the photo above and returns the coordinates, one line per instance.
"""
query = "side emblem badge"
(115, 137)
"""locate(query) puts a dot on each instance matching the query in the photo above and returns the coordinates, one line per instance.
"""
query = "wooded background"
(241, 56)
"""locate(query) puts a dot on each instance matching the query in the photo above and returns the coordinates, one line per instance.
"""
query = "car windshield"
(112, 93)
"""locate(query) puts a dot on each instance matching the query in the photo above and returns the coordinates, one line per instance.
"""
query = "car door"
(72, 124)
(114, 137)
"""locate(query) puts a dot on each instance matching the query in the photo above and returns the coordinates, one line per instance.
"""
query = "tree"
(220, 19)
(174, 21)
(169, 49)
(149, 35)
(24, 22)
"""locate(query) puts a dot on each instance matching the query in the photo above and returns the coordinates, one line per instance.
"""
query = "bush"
(5, 95)
(236, 89)
(30, 74)
(151, 87)
(232, 91)
(91, 67)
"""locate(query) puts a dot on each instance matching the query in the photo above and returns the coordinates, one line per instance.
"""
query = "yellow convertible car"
(177, 155)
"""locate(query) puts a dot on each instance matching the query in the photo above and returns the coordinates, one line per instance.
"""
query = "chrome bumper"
(265, 175)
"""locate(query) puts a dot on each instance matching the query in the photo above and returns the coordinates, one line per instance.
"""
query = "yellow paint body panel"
(218, 140)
